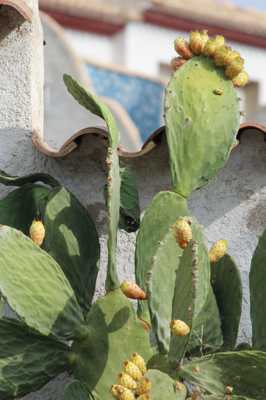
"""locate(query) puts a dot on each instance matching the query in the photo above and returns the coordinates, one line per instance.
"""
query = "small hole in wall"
(10, 20)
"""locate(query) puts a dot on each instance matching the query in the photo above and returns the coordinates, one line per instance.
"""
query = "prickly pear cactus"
(173, 344)
(201, 110)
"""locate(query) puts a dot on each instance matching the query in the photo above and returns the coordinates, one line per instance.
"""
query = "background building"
(127, 46)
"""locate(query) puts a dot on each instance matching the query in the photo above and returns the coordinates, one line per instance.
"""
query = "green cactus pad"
(9, 180)
(76, 391)
(27, 360)
(191, 290)
(129, 201)
(164, 387)
(69, 230)
(20, 207)
(96, 106)
(72, 240)
(166, 258)
(36, 288)
(204, 270)
(201, 125)
(113, 207)
(245, 371)
(206, 335)
(257, 279)
(154, 232)
(184, 298)
(2, 306)
(230, 398)
(227, 286)
(114, 334)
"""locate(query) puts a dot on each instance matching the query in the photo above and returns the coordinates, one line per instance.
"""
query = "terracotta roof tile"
(120, 10)
(216, 12)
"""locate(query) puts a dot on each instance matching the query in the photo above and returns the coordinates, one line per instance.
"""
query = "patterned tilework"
(141, 98)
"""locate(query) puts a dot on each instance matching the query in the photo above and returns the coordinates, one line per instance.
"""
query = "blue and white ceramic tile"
(140, 97)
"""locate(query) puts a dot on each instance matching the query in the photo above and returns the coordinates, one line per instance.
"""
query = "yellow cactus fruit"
(183, 232)
(229, 390)
(212, 45)
(127, 395)
(139, 362)
(182, 48)
(180, 386)
(198, 41)
(127, 381)
(144, 386)
(177, 62)
(117, 390)
(196, 369)
(218, 250)
(133, 291)
(231, 56)
(179, 328)
(131, 369)
(220, 56)
(144, 396)
(37, 232)
(241, 79)
(233, 69)
(196, 395)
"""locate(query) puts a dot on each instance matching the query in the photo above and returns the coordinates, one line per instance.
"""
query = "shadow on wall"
(241, 183)
(10, 19)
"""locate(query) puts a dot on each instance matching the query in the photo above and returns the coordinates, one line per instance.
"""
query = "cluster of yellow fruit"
(132, 383)
(183, 235)
(215, 48)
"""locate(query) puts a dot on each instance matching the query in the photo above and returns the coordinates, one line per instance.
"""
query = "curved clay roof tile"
(21, 6)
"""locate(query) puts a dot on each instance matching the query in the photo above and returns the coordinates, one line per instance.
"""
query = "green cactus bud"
(233, 69)
(127, 381)
(198, 41)
(182, 48)
(139, 362)
(241, 79)
(131, 369)
(212, 45)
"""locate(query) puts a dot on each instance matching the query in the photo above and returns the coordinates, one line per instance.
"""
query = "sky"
(259, 4)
